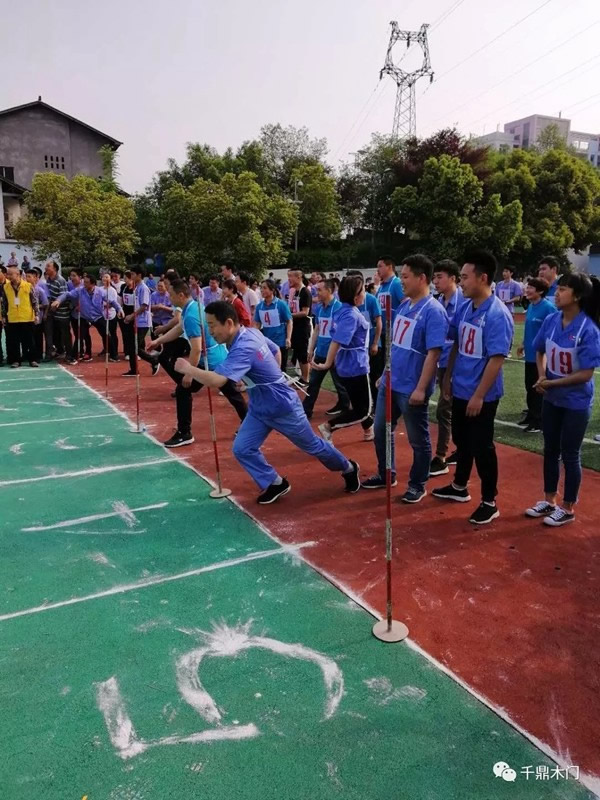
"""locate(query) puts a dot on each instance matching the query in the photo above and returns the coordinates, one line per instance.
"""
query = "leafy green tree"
(319, 211)
(285, 149)
(82, 220)
(550, 138)
(233, 219)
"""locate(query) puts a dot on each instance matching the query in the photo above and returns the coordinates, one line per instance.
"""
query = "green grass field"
(513, 403)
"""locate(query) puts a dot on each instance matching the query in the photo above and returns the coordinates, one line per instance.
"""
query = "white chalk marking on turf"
(158, 580)
(49, 420)
(120, 510)
(4, 408)
(62, 443)
(29, 378)
(43, 389)
(125, 740)
(17, 449)
(84, 472)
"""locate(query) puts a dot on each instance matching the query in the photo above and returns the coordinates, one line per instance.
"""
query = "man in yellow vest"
(19, 310)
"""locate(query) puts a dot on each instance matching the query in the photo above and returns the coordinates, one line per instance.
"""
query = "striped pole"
(388, 629)
(106, 347)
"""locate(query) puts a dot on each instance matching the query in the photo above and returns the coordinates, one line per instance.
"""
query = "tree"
(550, 138)
(446, 213)
(233, 219)
(81, 219)
(285, 149)
(319, 212)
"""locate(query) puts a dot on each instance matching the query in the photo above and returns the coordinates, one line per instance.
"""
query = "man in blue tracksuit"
(254, 361)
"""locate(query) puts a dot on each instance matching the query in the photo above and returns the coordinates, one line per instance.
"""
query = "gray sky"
(159, 74)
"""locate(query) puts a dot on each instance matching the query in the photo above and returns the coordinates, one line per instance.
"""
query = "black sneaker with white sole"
(533, 428)
(337, 409)
(129, 374)
(438, 466)
(155, 368)
(413, 496)
(375, 482)
(560, 516)
(179, 440)
(452, 458)
(524, 420)
(352, 479)
(541, 509)
(450, 492)
(273, 492)
(485, 513)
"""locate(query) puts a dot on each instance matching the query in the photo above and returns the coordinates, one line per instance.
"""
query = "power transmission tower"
(405, 116)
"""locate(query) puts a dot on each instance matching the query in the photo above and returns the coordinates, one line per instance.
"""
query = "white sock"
(458, 488)
(278, 481)
(349, 469)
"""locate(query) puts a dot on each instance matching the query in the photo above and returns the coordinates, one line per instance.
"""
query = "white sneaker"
(541, 509)
(597, 437)
(369, 434)
(325, 431)
(559, 516)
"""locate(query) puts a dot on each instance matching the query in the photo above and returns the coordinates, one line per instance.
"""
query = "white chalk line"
(82, 473)
(157, 580)
(42, 389)
(52, 420)
(93, 517)
(590, 782)
(32, 377)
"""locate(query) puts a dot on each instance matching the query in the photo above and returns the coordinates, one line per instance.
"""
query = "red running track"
(512, 609)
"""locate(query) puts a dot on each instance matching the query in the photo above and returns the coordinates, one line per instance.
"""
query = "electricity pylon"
(405, 113)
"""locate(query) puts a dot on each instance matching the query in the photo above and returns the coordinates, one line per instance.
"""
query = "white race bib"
(470, 340)
(561, 360)
(404, 329)
(128, 299)
(269, 318)
(325, 327)
(504, 294)
(294, 305)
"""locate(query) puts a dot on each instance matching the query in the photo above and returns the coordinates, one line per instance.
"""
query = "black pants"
(129, 344)
(1, 351)
(359, 392)
(534, 399)
(82, 341)
(19, 342)
(38, 341)
(317, 376)
(111, 344)
(58, 335)
(474, 440)
(376, 367)
(300, 339)
(284, 358)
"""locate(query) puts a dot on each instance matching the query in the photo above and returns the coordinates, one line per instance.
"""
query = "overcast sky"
(158, 74)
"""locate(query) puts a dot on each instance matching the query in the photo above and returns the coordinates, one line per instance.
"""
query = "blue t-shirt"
(506, 290)
(370, 310)
(324, 323)
(190, 319)
(536, 314)
(273, 318)
(552, 292)
(451, 307)
(351, 330)
(567, 350)
(392, 287)
(480, 333)
(251, 359)
(415, 330)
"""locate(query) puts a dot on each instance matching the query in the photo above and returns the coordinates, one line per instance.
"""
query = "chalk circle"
(396, 632)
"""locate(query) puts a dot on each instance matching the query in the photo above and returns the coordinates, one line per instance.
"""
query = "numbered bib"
(128, 299)
(470, 340)
(269, 318)
(561, 360)
(294, 305)
(504, 294)
(404, 329)
(325, 328)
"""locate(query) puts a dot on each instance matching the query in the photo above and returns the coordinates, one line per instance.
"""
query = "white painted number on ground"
(223, 642)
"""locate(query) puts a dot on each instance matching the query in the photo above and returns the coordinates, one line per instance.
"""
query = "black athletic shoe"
(114, 360)
(129, 374)
(375, 482)
(452, 458)
(450, 493)
(71, 361)
(485, 513)
(413, 496)
(179, 440)
(438, 466)
(155, 368)
(352, 479)
(273, 492)
(337, 409)
(532, 428)
(524, 420)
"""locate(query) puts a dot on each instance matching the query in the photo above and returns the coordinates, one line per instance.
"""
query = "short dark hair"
(222, 311)
(512, 270)
(540, 285)
(179, 286)
(90, 278)
(215, 278)
(32, 271)
(448, 266)
(77, 271)
(483, 262)
(116, 270)
(321, 275)
(419, 265)
(387, 260)
(551, 261)
(127, 274)
(193, 275)
(349, 288)
(229, 283)
(244, 277)
(3, 269)
(586, 289)
(171, 275)
(139, 271)
(272, 285)
(329, 283)
(38, 270)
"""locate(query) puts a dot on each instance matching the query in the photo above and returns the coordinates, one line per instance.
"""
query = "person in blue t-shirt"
(538, 309)
(419, 330)
(389, 289)
(482, 331)
(318, 348)
(567, 352)
(371, 311)
(193, 330)
(509, 290)
(446, 275)
(348, 350)
(548, 269)
(253, 361)
(273, 317)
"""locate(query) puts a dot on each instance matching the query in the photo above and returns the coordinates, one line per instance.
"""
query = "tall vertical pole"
(297, 218)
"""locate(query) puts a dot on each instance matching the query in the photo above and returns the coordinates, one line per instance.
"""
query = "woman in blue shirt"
(568, 351)
(538, 309)
(273, 317)
(349, 351)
